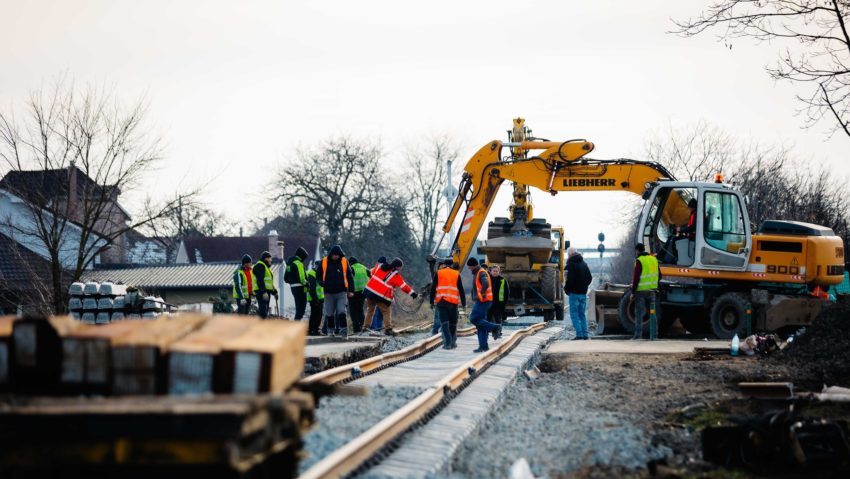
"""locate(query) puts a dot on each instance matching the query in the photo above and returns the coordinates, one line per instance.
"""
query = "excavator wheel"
(626, 316)
(728, 316)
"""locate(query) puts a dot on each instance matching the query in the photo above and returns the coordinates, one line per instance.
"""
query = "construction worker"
(355, 304)
(243, 285)
(316, 297)
(379, 291)
(335, 275)
(297, 279)
(576, 284)
(644, 285)
(265, 284)
(437, 326)
(482, 301)
(689, 230)
(502, 291)
(378, 319)
(447, 292)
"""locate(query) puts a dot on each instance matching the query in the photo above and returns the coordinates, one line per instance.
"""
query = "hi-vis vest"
(648, 273)
(502, 285)
(344, 264)
(242, 283)
(268, 279)
(380, 283)
(320, 291)
(486, 295)
(447, 286)
(361, 277)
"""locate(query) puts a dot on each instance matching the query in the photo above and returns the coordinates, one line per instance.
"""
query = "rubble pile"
(820, 355)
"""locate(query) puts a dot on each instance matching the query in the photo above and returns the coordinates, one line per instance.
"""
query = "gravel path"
(342, 418)
(402, 341)
(599, 416)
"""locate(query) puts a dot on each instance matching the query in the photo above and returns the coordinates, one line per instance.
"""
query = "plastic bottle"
(736, 343)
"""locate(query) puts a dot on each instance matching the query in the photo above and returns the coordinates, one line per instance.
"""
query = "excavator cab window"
(724, 230)
(668, 212)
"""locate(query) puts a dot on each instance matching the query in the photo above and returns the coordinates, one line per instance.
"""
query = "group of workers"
(333, 286)
(337, 285)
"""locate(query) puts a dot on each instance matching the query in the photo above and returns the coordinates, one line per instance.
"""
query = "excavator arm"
(561, 166)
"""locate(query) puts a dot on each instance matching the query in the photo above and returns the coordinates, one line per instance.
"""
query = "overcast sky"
(235, 87)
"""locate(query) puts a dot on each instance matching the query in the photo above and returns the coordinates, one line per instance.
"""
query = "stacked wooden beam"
(195, 363)
(268, 358)
(86, 356)
(36, 363)
(138, 359)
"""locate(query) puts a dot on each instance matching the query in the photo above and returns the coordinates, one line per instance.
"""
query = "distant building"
(217, 249)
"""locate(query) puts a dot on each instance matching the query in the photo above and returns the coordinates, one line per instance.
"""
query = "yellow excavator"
(712, 276)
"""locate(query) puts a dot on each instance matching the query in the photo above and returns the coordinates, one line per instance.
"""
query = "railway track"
(442, 376)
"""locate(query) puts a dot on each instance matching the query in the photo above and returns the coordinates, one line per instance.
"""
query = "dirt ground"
(654, 409)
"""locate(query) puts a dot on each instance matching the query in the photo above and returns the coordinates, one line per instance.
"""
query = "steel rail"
(365, 366)
(350, 456)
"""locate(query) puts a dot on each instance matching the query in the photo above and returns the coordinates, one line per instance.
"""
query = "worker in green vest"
(498, 313)
(355, 303)
(644, 286)
(316, 298)
(265, 286)
(243, 285)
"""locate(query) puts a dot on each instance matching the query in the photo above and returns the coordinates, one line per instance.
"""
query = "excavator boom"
(561, 166)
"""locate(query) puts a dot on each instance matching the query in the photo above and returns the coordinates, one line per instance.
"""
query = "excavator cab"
(720, 238)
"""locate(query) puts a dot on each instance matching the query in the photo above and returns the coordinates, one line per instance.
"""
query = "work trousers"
(263, 306)
(578, 307)
(437, 322)
(643, 301)
(315, 318)
(334, 309)
(355, 309)
(497, 313)
(478, 317)
(385, 309)
(243, 309)
(447, 314)
(300, 296)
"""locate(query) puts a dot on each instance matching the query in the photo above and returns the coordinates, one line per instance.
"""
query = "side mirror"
(566, 244)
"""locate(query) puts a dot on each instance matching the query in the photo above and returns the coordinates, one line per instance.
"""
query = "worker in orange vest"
(379, 291)
(482, 301)
(447, 292)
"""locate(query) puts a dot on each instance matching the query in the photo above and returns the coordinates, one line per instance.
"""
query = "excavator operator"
(690, 230)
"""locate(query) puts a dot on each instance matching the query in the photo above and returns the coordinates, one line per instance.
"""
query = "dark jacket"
(334, 279)
(433, 292)
(578, 276)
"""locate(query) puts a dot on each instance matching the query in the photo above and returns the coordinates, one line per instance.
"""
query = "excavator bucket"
(603, 307)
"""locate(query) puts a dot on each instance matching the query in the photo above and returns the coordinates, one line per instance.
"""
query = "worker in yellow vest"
(501, 292)
(644, 286)
(265, 286)
(316, 298)
(356, 302)
(243, 285)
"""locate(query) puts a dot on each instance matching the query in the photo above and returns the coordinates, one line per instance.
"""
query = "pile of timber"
(217, 394)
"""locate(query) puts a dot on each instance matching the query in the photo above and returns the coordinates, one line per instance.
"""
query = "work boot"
(480, 350)
(342, 325)
(390, 332)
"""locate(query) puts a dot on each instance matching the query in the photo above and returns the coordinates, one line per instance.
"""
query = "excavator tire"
(626, 316)
(728, 316)
(549, 283)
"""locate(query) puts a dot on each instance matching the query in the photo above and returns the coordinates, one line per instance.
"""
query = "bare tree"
(817, 27)
(339, 181)
(69, 159)
(190, 217)
(695, 153)
(426, 167)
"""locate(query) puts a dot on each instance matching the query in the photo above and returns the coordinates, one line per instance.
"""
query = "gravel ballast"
(598, 415)
(342, 418)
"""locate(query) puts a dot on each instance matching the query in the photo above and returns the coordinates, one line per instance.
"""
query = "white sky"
(234, 87)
